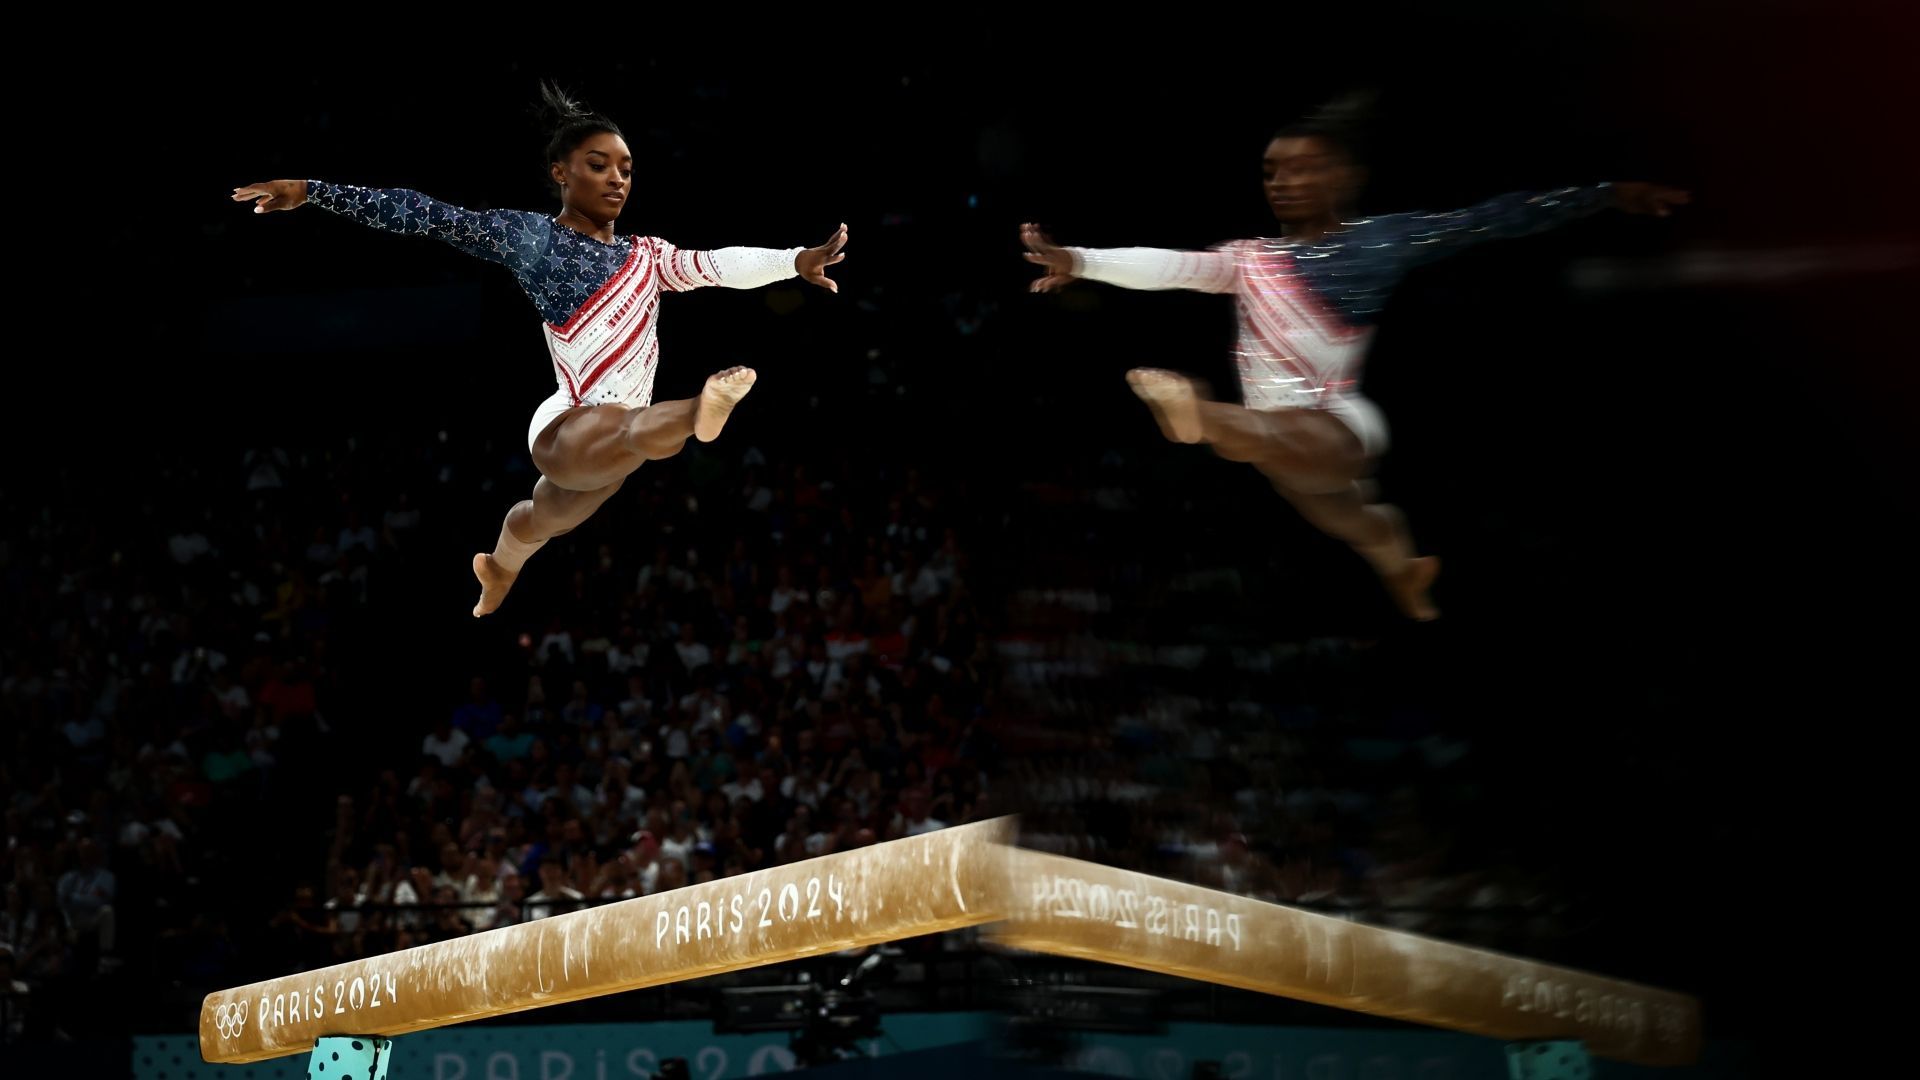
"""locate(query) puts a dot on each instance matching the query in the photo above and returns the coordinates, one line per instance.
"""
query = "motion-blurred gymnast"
(1306, 302)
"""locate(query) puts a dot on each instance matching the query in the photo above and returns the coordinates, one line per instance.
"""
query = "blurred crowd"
(223, 706)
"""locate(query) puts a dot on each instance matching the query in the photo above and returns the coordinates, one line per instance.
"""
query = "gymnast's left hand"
(1637, 197)
(812, 263)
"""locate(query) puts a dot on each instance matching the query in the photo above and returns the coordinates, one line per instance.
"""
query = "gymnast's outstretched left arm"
(683, 269)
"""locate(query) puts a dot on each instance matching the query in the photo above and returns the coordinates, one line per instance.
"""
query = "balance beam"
(926, 884)
(947, 880)
(1066, 907)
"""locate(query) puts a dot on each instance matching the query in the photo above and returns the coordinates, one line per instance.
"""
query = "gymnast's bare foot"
(723, 391)
(495, 580)
(1173, 399)
(1410, 586)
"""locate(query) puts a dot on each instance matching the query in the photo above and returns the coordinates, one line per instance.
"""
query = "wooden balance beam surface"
(947, 880)
(1071, 908)
(941, 881)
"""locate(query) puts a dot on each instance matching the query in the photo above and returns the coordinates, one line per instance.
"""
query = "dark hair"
(1344, 123)
(570, 122)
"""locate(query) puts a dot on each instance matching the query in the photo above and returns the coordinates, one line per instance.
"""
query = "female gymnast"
(598, 295)
(1306, 302)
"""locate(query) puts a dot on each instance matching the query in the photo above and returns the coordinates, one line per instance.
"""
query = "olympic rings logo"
(230, 1019)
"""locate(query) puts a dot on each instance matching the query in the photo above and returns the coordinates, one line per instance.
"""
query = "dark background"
(1672, 512)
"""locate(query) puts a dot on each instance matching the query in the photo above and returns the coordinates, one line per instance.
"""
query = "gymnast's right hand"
(272, 195)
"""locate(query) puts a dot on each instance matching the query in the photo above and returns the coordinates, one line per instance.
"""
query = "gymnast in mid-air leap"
(599, 297)
(1306, 301)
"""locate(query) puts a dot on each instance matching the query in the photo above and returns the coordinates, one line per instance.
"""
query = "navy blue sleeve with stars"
(1355, 268)
(559, 269)
(1431, 236)
(513, 238)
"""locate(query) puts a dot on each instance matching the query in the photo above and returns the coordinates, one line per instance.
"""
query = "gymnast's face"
(596, 178)
(1306, 180)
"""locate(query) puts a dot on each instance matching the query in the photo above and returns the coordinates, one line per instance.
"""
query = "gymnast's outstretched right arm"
(1129, 268)
(513, 238)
